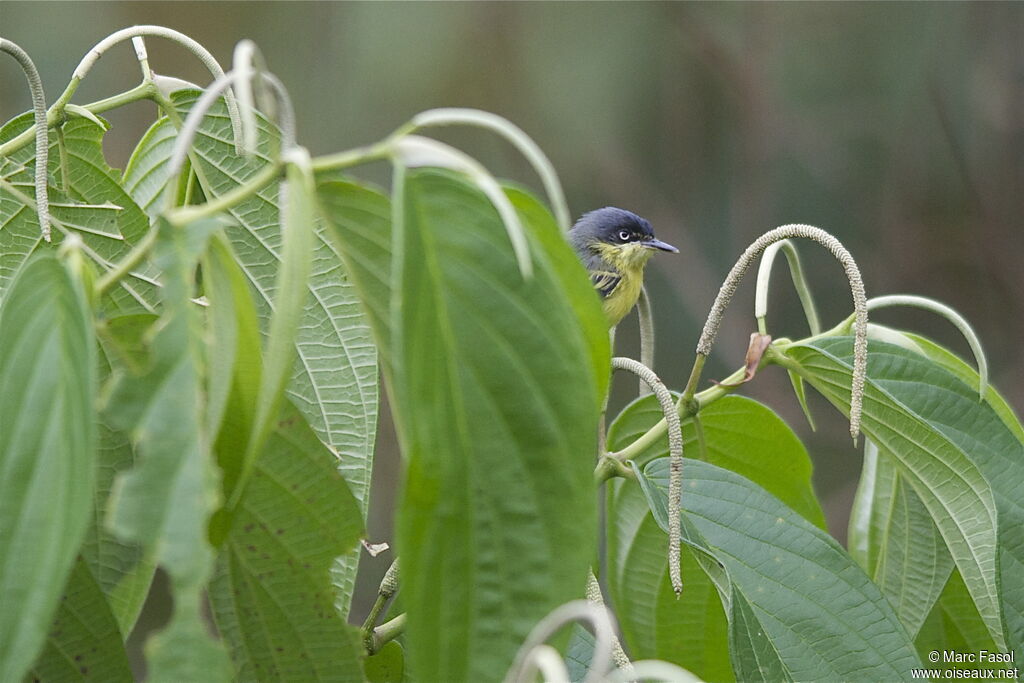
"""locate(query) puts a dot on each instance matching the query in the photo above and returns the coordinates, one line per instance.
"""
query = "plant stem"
(143, 91)
(387, 632)
(187, 214)
(134, 257)
(352, 157)
(686, 409)
(388, 587)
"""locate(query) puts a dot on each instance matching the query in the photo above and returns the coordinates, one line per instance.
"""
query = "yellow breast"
(629, 261)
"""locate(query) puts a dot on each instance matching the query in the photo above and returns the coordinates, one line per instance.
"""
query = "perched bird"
(614, 245)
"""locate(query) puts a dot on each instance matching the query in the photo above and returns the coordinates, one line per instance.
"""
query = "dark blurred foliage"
(897, 127)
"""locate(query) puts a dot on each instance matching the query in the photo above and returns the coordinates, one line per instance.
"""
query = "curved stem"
(414, 150)
(140, 92)
(125, 266)
(387, 632)
(949, 314)
(388, 588)
(707, 338)
(183, 215)
(796, 271)
(42, 132)
(511, 132)
(546, 661)
(189, 44)
(577, 610)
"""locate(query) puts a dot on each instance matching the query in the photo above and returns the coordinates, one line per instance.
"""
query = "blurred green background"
(897, 127)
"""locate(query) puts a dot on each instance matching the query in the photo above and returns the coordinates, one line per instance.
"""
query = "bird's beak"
(658, 244)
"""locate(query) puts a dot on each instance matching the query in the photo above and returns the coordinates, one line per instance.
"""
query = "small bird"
(614, 245)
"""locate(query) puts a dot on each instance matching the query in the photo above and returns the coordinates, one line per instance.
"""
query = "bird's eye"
(624, 235)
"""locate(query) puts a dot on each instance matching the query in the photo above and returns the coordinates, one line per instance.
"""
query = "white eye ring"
(624, 235)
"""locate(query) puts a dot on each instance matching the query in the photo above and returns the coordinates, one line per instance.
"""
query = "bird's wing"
(605, 281)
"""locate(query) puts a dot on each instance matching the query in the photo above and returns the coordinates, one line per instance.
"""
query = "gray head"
(613, 226)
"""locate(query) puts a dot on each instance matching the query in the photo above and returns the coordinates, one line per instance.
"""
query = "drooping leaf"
(895, 541)
(122, 569)
(741, 435)
(334, 380)
(799, 608)
(359, 223)
(272, 595)
(145, 175)
(335, 377)
(84, 642)
(47, 450)
(164, 503)
(959, 456)
(954, 626)
(496, 401)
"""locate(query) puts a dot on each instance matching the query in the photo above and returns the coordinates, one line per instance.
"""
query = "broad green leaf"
(579, 653)
(692, 631)
(895, 541)
(145, 176)
(292, 292)
(386, 666)
(799, 608)
(969, 376)
(334, 381)
(184, 651)
(121, 569)
(573, 280)
(85, 198)
(954, 625)
(165, 501)
(272, 595)
(47, 450)
(741, 435)
(359, 224)
(358, 221)
(959, 456)
(497, 404)
(84, 641)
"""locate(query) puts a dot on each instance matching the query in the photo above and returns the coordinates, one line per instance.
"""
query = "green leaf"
(954, 625)
(387, 665)
(895, 541)
(121, 568)
(165, 501)
(334, 380)
(799, 608)
(47, 450)
(359, 224)
(497, 406)
(967, 374)
(272, 595)
(579, 653)
(145, 176)
(84, 641)
(740, 434)
(959, 456)
(292, 292)
(334, 383)
(92, 191)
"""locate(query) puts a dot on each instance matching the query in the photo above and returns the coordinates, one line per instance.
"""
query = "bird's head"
(620, 237)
